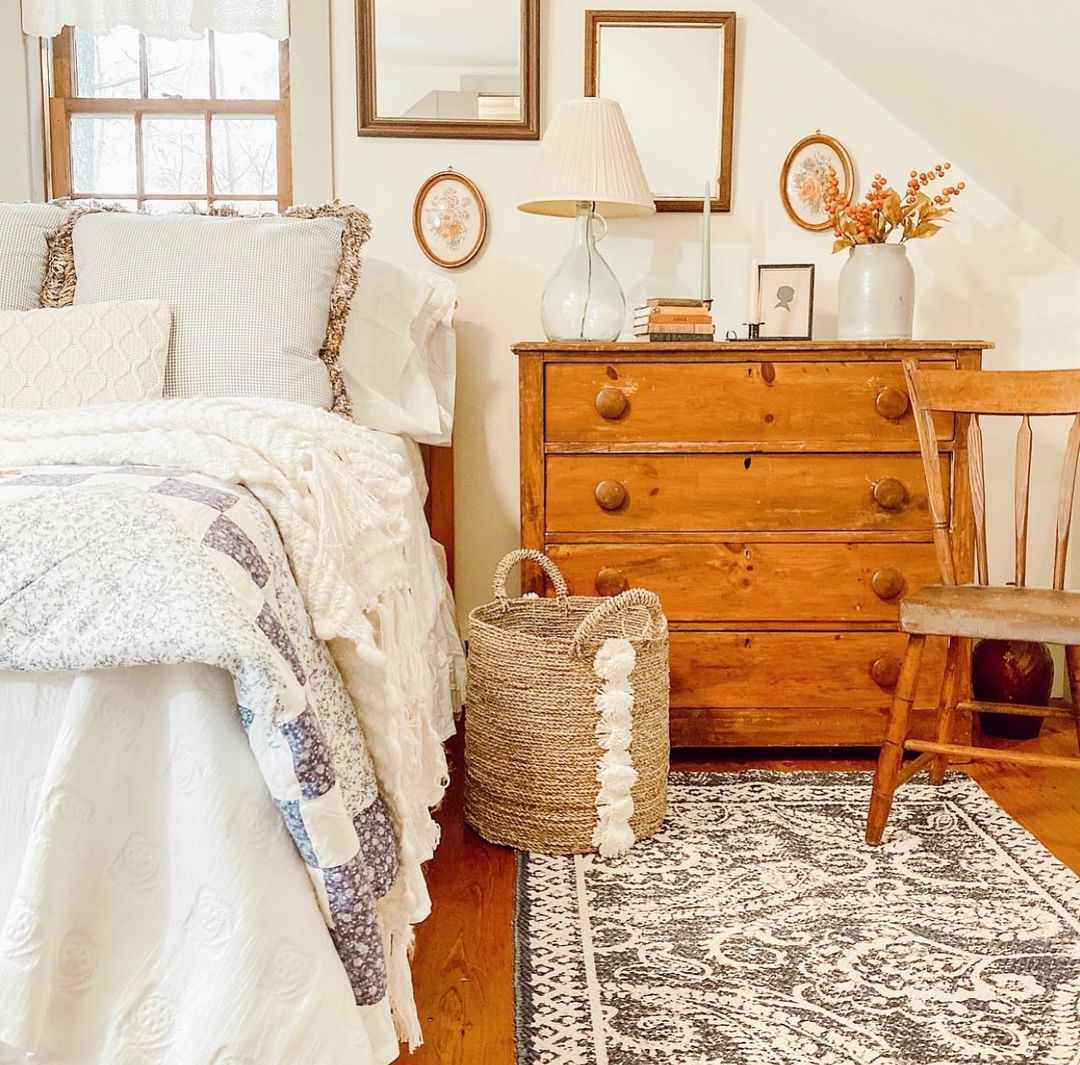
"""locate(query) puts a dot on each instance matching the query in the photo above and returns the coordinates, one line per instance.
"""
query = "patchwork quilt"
(185, 568)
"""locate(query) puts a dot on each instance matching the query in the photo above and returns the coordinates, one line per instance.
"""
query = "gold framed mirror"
(459, 68)
(673, 73)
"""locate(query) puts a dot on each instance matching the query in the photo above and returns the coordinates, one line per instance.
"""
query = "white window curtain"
(158, 18)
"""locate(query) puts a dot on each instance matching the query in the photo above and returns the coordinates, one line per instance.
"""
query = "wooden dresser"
(772, 494)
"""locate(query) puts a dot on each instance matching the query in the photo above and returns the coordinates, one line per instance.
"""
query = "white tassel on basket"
(615, 771)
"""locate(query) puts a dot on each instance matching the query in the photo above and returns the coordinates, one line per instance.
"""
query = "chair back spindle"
(974, 394)
(1022, 497)
(1065, 503)
(978, 497)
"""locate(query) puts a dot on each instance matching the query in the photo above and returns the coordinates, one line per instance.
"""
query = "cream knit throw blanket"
(337, 496)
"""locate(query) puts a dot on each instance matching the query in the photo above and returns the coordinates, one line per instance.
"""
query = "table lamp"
(589, 171)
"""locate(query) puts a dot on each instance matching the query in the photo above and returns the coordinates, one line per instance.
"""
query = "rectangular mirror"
(673, 72)
(458, 68)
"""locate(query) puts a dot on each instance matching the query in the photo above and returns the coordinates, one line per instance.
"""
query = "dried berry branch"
(883, 212)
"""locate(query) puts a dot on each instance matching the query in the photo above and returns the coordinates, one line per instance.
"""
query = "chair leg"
(1072, 661)
(892, 750)
(950, 696)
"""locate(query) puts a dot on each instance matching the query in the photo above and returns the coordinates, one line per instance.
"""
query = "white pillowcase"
(23, 229)
(399, 354)
(83, 355)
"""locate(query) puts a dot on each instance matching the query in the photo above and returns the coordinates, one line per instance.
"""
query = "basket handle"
(596, 617)
(524, 554)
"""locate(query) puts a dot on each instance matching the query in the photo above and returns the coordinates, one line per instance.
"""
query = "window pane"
(124, 205)
(103, 154)
(174, 206)
(245, 67)
(249, 207)
(245, 156)
(107, 64)
(174, 154)
(178, 69)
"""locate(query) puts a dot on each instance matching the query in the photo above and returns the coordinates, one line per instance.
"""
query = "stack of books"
(673, 319)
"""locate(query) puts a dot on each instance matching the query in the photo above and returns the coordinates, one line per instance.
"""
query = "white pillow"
(79, 356)
(399, 353)
(23, 229)
(250, 296)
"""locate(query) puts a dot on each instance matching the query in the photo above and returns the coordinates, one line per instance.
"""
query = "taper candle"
(751, 299)
(706, 245)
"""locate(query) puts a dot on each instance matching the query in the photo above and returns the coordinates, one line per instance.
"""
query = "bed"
(228, 660)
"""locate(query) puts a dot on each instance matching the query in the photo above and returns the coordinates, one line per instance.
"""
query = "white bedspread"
(184, 948)
(355, 536)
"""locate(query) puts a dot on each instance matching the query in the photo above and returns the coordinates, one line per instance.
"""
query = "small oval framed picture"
(804, 176)
(450, 219)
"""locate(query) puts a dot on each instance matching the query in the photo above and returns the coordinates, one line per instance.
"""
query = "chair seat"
(993, 613)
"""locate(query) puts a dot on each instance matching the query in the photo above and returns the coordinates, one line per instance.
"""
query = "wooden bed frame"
(439, 470)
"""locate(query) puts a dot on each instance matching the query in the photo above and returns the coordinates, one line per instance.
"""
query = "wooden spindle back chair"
(979, 611)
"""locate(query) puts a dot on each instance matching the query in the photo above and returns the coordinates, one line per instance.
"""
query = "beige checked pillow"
(259, 304)
(24, 232)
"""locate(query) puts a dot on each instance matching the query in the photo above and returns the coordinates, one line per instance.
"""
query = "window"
(162, 125)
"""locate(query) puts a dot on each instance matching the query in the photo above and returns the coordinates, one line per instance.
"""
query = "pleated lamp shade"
(588, 155)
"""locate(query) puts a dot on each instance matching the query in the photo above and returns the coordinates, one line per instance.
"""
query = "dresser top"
(755, 347)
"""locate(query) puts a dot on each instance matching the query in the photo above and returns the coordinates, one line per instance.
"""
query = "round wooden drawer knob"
(610, 495)
(890, 494)
(887, 583)
(885, 671)
(611, 403)
(611, 581)
(892, 403)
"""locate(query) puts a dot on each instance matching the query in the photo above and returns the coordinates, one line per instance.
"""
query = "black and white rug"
(758, 929)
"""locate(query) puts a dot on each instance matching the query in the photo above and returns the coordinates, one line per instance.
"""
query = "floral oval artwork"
(450, 219)
(803, 180)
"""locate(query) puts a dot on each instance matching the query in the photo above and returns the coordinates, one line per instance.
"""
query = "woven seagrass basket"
(531, 745)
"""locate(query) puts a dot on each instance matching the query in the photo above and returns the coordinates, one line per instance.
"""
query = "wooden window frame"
(63, 103)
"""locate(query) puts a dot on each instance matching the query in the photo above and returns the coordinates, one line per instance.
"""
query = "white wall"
(20, 154)
(996, 80)
(988, 276)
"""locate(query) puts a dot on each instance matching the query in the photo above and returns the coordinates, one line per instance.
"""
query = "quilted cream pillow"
(79, 356)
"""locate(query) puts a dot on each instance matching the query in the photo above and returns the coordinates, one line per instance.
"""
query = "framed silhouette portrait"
(785, 301)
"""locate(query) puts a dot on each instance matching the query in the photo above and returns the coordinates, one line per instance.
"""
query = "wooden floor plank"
(464, 958)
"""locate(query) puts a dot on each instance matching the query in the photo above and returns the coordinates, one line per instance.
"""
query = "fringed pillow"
(24, 233)
(259, 304)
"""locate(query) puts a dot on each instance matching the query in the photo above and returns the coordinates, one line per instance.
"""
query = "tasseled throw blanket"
(150, 491)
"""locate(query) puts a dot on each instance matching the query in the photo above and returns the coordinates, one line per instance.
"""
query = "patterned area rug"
(758, 929)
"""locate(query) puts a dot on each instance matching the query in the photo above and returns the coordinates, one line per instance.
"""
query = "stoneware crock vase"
(1012, 671)
(877, 293)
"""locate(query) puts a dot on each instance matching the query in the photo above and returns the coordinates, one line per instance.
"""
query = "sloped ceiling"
(994, 85)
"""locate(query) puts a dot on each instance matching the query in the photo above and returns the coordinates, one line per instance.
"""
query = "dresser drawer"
(686, 493)
(825, 405)
(752, 670)
(755, 581)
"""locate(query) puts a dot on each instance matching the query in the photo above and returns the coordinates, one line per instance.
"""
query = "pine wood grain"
(809, 404)
(887, 350)
(743, 581)
(463, 966)
(794, 669)
(642, 463)
(733, 492)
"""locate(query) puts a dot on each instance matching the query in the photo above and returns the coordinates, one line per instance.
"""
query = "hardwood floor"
(465, 953)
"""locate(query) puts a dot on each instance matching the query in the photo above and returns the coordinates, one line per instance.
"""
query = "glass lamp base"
(584, 300)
